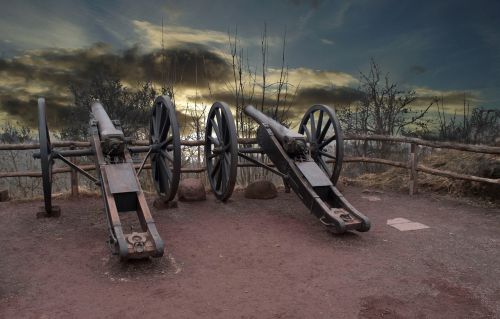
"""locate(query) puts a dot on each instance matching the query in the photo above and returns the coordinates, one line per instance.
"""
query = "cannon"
(309, 161)
(116, 173)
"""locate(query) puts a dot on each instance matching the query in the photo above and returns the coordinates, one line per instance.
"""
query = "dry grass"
(482, 165)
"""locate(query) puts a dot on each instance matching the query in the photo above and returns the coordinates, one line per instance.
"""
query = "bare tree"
(477, 126)
(273, 99)
(385, 108)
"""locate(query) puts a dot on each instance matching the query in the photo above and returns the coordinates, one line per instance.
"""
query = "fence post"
(412, 165)
(74, 177)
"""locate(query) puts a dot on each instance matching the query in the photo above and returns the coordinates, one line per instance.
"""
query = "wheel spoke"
(154, 166)
(324, 165)
(220, 125)
(215, 168)
(158, 119)
(214, 140)
(227, 158)
(327, 141)
(165, 173)
(165, 128)
(308, 134)
(154, 123)
(327, 155)
(166, 155)
(163, 168)
(160, 176)
(167, 141)
(215, 128)
(210, 156)
(324, 131)
(320, 121)
(313, 127)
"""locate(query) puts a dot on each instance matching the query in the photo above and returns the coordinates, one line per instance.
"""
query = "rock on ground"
(261, 190)
(191, 190)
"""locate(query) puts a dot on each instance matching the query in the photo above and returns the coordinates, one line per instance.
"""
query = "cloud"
(451, 100)
(29, 25)
(327, 42)
(339, 13)
(314, 78)
(61, 66)
(24, 107)
(49, 72)
(332, 95)
(174, 36)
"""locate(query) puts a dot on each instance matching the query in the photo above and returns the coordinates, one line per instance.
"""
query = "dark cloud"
(336, 97)
(26, 109)
(328, 95)
(186, 65)
(256, 100)
(333, 96)
(49, 73)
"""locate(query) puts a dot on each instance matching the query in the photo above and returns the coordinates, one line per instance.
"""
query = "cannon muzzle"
(112, 139)
(293, 143)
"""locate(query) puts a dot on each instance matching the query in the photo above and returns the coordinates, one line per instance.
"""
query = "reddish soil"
(255, 259)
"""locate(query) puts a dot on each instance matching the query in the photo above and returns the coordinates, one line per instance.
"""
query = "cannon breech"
(293, 143)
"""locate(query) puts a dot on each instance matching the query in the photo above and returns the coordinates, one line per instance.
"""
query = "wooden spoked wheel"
(46, 156)
(164, 139)
(221, 150)
(321, 126)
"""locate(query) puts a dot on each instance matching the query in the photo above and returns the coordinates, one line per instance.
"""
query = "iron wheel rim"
(221, 150)
(46, 157)
(317, 123)
(164, 139)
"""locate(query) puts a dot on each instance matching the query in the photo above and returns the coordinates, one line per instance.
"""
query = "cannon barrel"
(293, 143)
(106, 126)
(112, 139)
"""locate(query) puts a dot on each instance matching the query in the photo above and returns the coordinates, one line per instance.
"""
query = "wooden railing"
(411, 165)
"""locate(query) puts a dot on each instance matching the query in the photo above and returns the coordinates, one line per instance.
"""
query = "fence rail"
(411, 165)
(485, 149)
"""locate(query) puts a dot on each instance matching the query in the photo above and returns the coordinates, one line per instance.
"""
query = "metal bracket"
(69, 163)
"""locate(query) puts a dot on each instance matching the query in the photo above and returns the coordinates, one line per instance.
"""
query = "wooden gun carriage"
(301, 160)
(116, 175)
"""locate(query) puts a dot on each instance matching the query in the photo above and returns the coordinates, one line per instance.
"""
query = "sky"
(437, 48)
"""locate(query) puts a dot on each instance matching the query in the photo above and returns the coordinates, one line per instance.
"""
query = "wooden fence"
(411, 165)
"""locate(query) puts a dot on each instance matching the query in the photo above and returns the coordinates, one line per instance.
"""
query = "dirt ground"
(255, 259)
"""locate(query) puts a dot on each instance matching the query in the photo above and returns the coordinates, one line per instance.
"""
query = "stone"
(371, 198)
(403, 224)
(191, 190)
(261, 190)
(409, 226)
(4, 195)
(398, 220)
